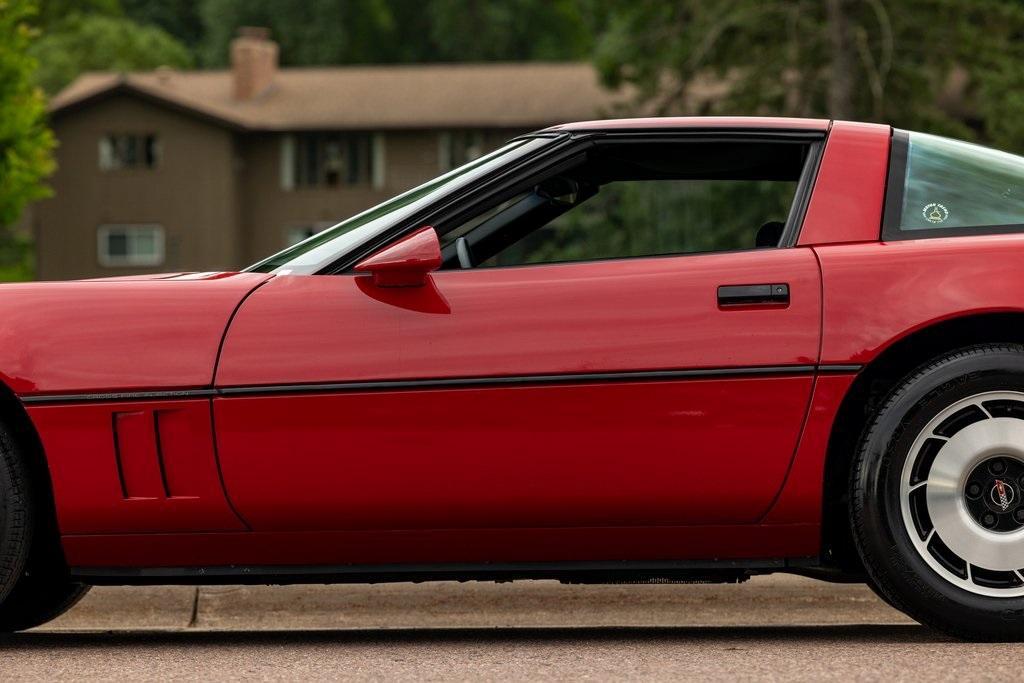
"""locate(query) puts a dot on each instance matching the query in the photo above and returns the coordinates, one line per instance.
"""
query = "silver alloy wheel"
(962, 494)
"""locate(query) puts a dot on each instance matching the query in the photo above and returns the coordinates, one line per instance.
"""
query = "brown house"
(207, 170)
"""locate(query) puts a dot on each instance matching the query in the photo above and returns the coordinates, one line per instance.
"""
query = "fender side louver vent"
(146, 460)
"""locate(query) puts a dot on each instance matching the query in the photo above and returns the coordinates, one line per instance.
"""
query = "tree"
(26, 144)
(512, 30)
(180, 18)
(309, 32)
(52, 12)
(943, 65)
(86, 42)
(394, 31)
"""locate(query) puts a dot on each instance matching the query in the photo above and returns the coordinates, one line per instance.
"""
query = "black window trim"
(802, 197)
(893, 209)
(565, 153)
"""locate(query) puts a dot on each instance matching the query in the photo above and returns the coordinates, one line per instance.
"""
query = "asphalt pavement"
(770, 628)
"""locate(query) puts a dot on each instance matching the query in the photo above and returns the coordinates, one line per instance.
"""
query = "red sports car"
(636, 350)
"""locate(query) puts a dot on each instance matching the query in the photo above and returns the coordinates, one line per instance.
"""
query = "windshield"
(317, 252)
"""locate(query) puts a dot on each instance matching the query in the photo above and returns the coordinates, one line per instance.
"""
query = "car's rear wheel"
(937, 494)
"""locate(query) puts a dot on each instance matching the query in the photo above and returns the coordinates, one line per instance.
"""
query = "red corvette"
(636, 350)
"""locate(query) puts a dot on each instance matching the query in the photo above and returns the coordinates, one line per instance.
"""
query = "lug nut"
(974, 490)
(988, 519)
(998, 467)
(1018, 515)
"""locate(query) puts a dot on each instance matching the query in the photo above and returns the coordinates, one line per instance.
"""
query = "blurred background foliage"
(953, 67)
(948, 66)
(26, 144)
(648, 217)
(945, 66)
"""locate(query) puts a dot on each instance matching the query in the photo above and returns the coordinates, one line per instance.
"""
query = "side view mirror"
(406, 263)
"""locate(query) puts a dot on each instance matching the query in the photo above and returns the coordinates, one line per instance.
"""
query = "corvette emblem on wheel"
(1002, 494)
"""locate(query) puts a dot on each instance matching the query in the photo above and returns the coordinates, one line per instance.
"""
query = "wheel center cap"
(1002, 495)
(992, 494)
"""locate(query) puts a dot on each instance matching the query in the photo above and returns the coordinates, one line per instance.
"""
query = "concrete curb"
(775, 600)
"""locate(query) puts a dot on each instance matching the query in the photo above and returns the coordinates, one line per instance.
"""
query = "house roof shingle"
(492, 95)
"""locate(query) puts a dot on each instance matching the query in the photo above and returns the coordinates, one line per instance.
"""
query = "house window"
(328, 160)
(130, 245)
(124, 151)
(459, 147)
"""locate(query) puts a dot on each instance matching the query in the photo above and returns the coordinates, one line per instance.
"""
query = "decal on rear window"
(942, 187)
(935, 213)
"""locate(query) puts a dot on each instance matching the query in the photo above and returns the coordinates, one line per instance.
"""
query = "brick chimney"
(253, 62)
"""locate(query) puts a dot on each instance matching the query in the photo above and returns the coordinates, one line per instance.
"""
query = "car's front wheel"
(34, 584)
(937, 494)
(38, 599)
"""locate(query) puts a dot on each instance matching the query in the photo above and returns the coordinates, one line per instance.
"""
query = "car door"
(621, 390)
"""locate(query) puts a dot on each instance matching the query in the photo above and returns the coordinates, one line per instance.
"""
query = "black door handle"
(740, 295)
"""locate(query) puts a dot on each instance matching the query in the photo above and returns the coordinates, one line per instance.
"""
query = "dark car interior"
(639, 199)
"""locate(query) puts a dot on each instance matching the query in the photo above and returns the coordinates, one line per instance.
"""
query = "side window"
(635, 199)
(327, 160)
(942, 187)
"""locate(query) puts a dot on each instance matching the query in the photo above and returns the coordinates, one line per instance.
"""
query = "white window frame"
(109, 260)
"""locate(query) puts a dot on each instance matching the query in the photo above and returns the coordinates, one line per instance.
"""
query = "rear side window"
(941, 187)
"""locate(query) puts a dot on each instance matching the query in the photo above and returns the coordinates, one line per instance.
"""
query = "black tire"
(896, 569)
(17, 521)
(37, 599)
(880, 594)
(34, 587)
